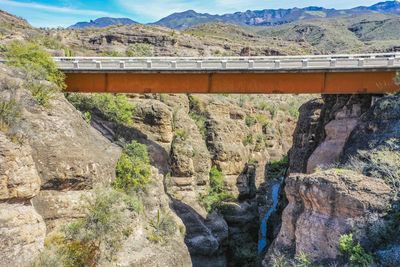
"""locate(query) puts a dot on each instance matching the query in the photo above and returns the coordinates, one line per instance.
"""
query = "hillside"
(362, 33)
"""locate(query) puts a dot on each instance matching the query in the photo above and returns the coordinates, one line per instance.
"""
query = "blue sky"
(53, 13)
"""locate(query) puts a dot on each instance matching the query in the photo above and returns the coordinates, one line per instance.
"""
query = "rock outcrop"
(22, 229)
(323, 130)
(325, 205)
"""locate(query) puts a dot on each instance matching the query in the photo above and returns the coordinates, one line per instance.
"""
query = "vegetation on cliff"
(133, 168)
(112, 107)
(217, 192)
(97, 236)
(34, 61)
(37, 66)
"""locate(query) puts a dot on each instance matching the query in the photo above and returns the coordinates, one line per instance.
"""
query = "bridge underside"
(224, 82)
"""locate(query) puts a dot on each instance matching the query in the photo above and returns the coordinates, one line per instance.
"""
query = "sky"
(54, 13)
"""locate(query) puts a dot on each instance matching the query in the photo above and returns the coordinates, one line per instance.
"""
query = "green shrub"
(198, 114)
(161, 227)
(200, 121)
(250, 121)
(41, 92)
(271, 108)
(353, 252)
(140, 50)
(217, 193)
(87, 116)
(113, 107)
(10, 113)
(248, 140)
(34, 61)
(262, 119)
(277, 168)
(133, 168)
(113, 54)
(216, 179)
(302, 260)
(181, 134)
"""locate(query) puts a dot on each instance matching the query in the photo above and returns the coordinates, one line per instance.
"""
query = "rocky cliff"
(51, 160)
(349, 147)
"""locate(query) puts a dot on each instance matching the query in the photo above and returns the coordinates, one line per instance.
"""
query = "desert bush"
(10, 113)
(353, 252)
(277, 168)
(198, 114)
(181, 134)
(301, 260)
(217, 192)
(161, 227)
(34, 61)
(248, 140)
(250, 121)
(133, 168)
(384, 164)
(97, 235)
(112, 107)
(41, 92)
(200, 121)
(140, 50)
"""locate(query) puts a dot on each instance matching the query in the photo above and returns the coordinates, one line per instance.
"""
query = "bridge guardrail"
(359, 61)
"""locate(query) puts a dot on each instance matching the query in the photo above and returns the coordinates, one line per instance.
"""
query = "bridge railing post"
(332, 63)
(199, 64)
(122, 64)
(391, 61)
(361, 62)
(251, 64)
(304, 63)
(277, 64)
(98, 64)
(149, 64)
(76, 64)
(173, 65)
(224, 64)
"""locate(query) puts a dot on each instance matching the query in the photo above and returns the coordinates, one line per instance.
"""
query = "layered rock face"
(342, 132)
(22, 229)
(50, 161)
(325, 205)
(323, 130)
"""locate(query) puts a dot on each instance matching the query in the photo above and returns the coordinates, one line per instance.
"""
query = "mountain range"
(266, 17)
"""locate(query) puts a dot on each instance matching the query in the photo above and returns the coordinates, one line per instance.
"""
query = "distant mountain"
(269, 17)
(102, 23)
(266, 17)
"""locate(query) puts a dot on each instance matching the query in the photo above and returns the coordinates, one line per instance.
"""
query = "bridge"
(327, 74)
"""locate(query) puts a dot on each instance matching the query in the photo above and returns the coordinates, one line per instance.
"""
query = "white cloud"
(56, 9)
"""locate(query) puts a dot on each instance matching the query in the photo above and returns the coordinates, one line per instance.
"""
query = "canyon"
(308, 170)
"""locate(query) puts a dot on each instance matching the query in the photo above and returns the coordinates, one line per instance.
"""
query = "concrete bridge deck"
(360, 73)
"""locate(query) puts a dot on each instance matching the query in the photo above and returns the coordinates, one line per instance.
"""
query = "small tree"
(353, 252)
(133, 168)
